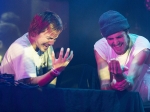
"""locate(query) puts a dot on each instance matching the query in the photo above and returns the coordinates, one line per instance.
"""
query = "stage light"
(147, 4)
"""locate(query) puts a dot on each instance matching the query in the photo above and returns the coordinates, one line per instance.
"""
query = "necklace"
(123, 59)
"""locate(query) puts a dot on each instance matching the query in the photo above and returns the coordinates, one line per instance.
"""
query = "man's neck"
(32, 41)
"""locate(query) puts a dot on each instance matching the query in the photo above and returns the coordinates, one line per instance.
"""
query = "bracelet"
(106, 87)
(55, 72)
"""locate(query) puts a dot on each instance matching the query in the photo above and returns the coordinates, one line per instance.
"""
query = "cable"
(8, 80)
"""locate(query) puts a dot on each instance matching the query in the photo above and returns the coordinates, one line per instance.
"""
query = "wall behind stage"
(84, 28)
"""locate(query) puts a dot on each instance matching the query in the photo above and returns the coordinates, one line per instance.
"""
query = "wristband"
(106, 87)
(55, 72)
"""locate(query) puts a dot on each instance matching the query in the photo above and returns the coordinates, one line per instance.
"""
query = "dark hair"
(42, 21)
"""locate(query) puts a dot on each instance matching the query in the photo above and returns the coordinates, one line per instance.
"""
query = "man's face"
(119, 42)
(46, 39)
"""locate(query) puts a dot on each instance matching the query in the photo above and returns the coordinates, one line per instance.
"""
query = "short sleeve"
(140, 44)
(23, 62)
(102, 47)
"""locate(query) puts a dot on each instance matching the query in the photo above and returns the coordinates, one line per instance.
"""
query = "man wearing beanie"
(122, 57)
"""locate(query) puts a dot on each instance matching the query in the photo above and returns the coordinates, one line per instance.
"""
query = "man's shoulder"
(135, 37)
(20, 46)
(101, 41)
(23, 41)
(23, 37)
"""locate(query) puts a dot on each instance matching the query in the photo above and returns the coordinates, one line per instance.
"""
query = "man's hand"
(115, 68)
(116, 71)
(122, 85)
(63, 60)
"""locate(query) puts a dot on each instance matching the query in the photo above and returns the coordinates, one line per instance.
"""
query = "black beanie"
(112, 22)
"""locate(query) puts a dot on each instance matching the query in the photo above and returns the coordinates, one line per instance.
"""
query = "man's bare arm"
(103, 72)
(40, 80)
(137, 63)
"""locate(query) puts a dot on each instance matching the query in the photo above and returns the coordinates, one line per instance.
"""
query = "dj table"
(46, 99)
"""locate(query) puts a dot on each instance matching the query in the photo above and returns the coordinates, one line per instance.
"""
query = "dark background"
(80, 18)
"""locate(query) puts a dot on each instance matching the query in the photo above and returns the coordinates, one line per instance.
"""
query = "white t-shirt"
(142, 83)
(22, 61)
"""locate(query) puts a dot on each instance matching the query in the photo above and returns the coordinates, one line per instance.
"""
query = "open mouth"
(46, 46)
(118, 47)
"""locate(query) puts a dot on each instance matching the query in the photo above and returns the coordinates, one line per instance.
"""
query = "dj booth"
(77, 90)
(46, 99)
